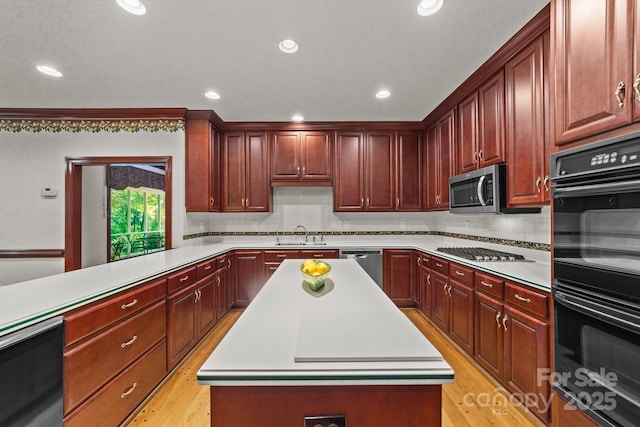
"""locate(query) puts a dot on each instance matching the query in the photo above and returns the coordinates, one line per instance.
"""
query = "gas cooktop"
(482, 254)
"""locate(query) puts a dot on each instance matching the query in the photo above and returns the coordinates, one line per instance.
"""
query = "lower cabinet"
(398, 276)
(249, 275)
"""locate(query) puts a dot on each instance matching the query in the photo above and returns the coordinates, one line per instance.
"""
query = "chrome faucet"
(306, 233)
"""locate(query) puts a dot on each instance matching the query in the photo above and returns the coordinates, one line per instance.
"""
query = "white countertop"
(25, 303)
(289, 336)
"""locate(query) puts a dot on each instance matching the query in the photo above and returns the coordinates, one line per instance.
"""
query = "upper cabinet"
(301, 158)
(246, 172)
(377, 171)
(438, 161)
(596, 69)
(202, 169)
(527, 145)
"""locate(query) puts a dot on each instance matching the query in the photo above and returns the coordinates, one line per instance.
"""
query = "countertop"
(26, 303)
(349, 333)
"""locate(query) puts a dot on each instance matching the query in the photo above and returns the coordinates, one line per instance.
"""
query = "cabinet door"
(489, 338)
(285, 156)
(222, 299)
(592, 57)
(398, 283)
(348, 194)
(427, 291)
(467, 142)
(234, 172)
(525, 126)
(182, 334)
(202, 167)
(526, 351)
(257, 186)
(206, 305)
(431, 164)
(249, 275)
(380, 171)
(462, 321)
(408, 172)
(491, 142)
(440, 301)
(446, 137)
(316, 155)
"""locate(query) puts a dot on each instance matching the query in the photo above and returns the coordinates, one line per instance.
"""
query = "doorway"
(142, 225)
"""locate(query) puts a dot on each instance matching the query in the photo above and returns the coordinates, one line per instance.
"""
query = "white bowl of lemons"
(315, 272)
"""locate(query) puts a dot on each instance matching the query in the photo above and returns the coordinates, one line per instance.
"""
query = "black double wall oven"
(596, 286)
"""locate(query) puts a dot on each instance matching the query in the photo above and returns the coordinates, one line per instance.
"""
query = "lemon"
(322, 267)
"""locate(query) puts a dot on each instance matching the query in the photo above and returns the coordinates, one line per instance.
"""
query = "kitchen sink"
(300, 243)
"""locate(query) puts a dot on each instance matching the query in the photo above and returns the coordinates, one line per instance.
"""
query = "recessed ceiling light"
(298, 118)
(212, 95)
(288, 46)
(49, 71)
(382, 94)
(429, 7)
(132, 6)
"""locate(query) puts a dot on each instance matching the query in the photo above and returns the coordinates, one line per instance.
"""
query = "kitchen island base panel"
(385, 405)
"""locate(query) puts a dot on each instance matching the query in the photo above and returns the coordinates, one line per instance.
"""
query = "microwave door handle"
(480, 182)
(597, 189)
(598, 310)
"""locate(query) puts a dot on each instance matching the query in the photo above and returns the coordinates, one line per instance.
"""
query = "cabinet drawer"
(87, 321)
(310, 253)
(206, 268)
(91, 364)
(461, 274)
(223, 262)
(116, 400)
(181, 279)
(440, 265)
(489, 284)
(424, 260)
(527, 300)
(278, 256)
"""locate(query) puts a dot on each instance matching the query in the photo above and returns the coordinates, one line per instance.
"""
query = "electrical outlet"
(326, 421)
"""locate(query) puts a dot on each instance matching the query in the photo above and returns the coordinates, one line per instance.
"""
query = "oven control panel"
(603, 158)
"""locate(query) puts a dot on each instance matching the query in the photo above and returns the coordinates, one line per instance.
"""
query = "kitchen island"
(345, 350)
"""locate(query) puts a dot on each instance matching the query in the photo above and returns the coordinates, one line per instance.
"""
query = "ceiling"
(349, 49)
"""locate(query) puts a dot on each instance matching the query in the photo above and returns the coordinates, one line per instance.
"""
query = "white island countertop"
(348, 333)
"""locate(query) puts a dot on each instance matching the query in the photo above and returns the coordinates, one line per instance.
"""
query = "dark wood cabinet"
(301, 156)
(594, 52)
(202, 167)
(379, 182)
(440, 301)
(527, 145)
(408, 168)
(207, 305)
(182, 333)
(491, 117)
(348, 186)
(461, 306)
(246, 185)
(399, 276)
(439, 162)
(489, 337)
(467, 141)
(425, 288)
(249, 275)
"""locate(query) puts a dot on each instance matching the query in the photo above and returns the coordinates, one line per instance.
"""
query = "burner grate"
(482, 254)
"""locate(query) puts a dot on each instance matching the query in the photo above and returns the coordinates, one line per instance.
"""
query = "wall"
(313, 208)
(30, 161)
(94, 215)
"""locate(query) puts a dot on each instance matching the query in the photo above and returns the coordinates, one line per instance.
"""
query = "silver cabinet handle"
(229, 263)
(438, 265)
(498, 319)
(212, 201)
(523, 299)
(128, 392)
(488, 285)
(418, 261)
(182, 279)
(449, 290)
(504, 322)
(361, 201)
(475, 157)
(208, 267)
(619, 93)
(481, 155)
(429, 278)
(128, 343)
(281, 255)
(546, 183)
(459, 273)
(128, 305)
(318, 255)
(304, 170)
(538, 181)
(445, 288)
(218, 281)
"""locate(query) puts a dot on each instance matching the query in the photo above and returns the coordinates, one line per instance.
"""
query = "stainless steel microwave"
(482, 191)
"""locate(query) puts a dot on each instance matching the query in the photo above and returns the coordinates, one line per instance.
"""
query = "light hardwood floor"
(182, 402)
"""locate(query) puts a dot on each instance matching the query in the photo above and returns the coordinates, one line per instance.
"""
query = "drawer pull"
(182, 279)
(229, 263)
(281, 255)
(218, 281)
(504, 322)
(523, 299)
(128, 392)
(429, 278)
(498, 319)
(318, 256)
(438, 265)
(488, 285)
(449, 290)
(208, 267)
(459, 273)
(418, 260)
(131, 304)
(128, 343)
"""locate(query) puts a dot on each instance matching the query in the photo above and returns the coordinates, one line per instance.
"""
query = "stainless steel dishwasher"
(370, 259)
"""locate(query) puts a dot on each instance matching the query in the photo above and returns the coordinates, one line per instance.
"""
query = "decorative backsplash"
(92, 126)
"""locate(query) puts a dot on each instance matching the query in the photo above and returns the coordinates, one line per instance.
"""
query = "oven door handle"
(594, 309)
(597, 189)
